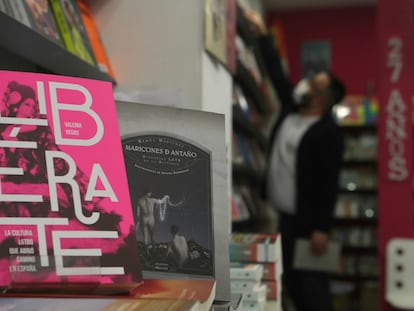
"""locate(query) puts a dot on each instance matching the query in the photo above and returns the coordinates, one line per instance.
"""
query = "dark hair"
(337, 89)
(25, 92)
(174, 229)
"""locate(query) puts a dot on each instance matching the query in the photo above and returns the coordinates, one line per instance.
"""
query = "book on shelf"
(236, 304)
(72, 30)
(65, 216)
(176, 167)
(41, 19)
(240, 212)
(271, 271)
(95, 40)
(15, 9)
(96, 304)
(257, 293)
(254, 305)
(255, 247)
(33, 14)
(240, 285)
(246, 271)
(273, 289)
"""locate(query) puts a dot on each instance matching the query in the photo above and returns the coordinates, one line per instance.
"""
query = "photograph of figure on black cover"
(169, 181)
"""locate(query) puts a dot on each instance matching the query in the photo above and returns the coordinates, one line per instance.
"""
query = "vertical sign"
(395, 181)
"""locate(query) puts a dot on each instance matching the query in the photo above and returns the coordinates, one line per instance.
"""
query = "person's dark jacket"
(319, 155)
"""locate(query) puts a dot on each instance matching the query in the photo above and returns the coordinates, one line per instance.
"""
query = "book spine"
(62, 26)
(254, 305)
(255, 295)
(269, 271)
(249, 272)
(239, 252)
(271, 290)
(238, 286)
(95, 40)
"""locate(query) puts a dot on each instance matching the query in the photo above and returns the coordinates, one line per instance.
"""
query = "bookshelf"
(252, 107)
(47, 56)
(356, 214)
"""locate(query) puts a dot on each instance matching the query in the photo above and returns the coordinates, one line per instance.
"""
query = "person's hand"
(256, 21)
(319, 242)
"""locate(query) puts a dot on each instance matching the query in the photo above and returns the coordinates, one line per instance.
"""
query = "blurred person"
(305, 161)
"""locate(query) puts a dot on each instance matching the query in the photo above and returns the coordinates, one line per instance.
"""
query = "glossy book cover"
(177, 174)
(65, 213)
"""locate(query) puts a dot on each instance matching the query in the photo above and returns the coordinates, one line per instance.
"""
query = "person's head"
(174, 230)
(11, 96)
(319, 93)
(27, 106)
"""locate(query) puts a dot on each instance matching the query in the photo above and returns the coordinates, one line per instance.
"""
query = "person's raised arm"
(280, 81)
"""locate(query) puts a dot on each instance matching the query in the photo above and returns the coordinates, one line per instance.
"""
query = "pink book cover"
(65, 212)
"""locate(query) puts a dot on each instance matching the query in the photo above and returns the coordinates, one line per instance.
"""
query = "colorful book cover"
(72, 29)
(176, 167)
(98, 48)
(95, 304)
(65, 213)
(41, 18)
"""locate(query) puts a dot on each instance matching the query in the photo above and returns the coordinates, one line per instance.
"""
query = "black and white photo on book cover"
(177, 174)
(169, 179)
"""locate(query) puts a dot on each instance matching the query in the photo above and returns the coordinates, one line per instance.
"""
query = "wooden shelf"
(30, 45)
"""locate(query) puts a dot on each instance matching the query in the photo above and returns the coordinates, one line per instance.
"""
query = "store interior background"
(349, 26)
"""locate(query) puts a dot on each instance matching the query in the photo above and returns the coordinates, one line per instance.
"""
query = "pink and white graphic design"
(65, 211)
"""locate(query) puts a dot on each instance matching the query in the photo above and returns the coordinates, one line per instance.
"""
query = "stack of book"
(246, 279)
(250, 250)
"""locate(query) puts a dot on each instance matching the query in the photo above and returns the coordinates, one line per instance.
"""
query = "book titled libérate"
(65, 212)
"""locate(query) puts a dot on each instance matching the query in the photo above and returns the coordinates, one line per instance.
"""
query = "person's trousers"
(308, 290)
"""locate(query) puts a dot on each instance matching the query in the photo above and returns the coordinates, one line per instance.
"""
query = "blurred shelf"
(355, 222)
(242, 125)
(245, 174)
(356, 163)
(28, 44)
(251, 89)
(356, 129)
(359, 191)
(359, 250)
(243, 28)
(354, 278)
